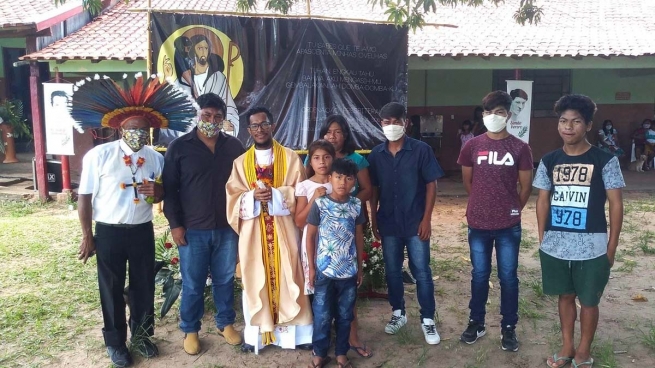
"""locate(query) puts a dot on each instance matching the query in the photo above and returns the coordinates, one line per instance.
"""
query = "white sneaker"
(430, 331)
(397, 321)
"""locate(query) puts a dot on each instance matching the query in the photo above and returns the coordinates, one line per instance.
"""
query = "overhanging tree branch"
(407, 13)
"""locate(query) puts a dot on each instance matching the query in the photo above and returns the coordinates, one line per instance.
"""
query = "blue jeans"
(207, 251)
(419, 263)
(333, 299)
(507, 243)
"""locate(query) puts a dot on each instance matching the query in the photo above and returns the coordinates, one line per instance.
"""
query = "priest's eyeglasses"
(263, 126)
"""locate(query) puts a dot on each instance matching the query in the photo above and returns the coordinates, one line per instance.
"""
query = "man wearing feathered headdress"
(260, 203)
(118, 185)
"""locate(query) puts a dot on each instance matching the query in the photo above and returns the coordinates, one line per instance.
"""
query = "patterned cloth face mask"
(135, 138)
(208, 129)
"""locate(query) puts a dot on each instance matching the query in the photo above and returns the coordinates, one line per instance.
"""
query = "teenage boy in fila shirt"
(492, 163)
(576, 254)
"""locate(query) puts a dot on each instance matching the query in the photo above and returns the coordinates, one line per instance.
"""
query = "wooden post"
(39, 139)
(517, 74)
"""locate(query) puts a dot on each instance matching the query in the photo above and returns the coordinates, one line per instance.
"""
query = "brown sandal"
(324, 361)
(347, 365)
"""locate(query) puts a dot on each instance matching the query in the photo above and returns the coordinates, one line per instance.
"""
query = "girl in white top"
(321, 154)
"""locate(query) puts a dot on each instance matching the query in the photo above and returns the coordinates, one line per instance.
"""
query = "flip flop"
(347, 365)
(324, 361)
(567, 361)
(356, 349)
(589, 363)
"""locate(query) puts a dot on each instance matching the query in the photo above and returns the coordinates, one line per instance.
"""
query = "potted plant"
(12, 125)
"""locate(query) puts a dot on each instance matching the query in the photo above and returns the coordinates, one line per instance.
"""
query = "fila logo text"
(492, 158)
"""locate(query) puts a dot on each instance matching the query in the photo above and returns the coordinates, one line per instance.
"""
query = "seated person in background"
(465, 133)
(643, 138)
(608, 139)
(477, 126)
(416, 127)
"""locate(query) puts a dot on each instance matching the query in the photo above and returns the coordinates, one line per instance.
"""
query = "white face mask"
(609, 127)
(393, 132)
(495, 123)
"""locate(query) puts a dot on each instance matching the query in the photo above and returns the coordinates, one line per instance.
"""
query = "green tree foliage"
(409, 13)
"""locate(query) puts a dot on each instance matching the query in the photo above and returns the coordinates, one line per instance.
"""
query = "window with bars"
(547, 87)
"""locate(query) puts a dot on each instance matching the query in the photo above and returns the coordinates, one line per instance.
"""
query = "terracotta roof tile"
(568, 28)
(118, 34)
(14, 13)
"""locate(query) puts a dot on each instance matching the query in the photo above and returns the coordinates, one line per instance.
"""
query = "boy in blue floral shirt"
(335, 264)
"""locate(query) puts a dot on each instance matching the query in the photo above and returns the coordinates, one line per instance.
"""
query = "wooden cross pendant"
(134, 186)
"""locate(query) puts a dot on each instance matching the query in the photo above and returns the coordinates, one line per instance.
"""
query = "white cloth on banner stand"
(286, 337)
(633, 157)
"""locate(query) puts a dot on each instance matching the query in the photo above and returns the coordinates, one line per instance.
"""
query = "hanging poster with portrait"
(519, 123)
(302, 70)
(58, 121)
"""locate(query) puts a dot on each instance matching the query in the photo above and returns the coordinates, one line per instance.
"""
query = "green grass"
(645, 241)
(49, 296)
(423, 357)
(529, 309)
(649, 338)
(628, 266)
(537, 288)
(528, 242)
(603, 353)
(49, 299)
(629, 227)
(481, 356)
(19, 208)
(638, 206)
(449, 268)
(405, 336)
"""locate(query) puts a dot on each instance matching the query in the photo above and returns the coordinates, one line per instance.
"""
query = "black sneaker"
(508, 340)
(473, 332)
(119, 356)
(145, 347)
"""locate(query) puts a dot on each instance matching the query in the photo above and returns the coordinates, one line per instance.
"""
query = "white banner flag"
(519, 123)
(58, 121)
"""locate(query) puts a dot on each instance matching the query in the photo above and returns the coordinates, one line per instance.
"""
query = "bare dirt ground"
(619, 340)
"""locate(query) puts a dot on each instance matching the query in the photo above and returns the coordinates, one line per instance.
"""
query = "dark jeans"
(419, 263)
(333, 299)
(207, 251)
(507, 243)
(115, 247)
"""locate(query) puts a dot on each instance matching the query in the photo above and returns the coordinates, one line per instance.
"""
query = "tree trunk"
(10, 145)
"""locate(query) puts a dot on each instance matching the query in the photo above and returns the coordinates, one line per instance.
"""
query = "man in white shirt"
(119, 183)
(124, 231)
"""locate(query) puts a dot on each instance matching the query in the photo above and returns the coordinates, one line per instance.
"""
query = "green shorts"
(586, 279)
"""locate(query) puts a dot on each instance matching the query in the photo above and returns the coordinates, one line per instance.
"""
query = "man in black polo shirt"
(404, 173)
(197, 167)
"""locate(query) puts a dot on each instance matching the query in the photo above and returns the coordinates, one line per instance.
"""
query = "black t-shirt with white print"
(577, 227)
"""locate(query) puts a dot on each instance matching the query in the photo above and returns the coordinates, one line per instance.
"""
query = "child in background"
(335, 261)
(464, 133)
(320, 157)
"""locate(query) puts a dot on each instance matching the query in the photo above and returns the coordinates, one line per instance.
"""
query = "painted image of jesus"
(206, 75)
(519, 98)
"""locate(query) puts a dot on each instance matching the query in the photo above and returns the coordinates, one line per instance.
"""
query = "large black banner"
(301, 69)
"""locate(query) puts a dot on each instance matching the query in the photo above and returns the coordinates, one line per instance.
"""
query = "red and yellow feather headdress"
(101, 102)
